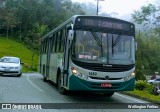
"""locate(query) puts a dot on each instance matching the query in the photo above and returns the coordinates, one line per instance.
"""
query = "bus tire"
(108, 94)
(61, 90)
(44, 74)
(45, 78)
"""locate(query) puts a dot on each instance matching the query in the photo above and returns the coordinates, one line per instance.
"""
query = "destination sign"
(101, 23)
(108, 23)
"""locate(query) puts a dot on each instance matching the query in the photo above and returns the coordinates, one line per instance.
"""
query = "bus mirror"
(70, 34)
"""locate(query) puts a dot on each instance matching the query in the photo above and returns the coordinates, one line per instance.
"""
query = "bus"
(90, 53)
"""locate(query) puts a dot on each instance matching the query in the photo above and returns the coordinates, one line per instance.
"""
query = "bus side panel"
(43, 64)
(53, 68)
(54, 65)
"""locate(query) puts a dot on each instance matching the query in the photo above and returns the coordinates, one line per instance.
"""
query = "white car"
(10, 66)
(156, 83)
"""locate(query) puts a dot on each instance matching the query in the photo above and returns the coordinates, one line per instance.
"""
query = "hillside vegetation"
(10, 47)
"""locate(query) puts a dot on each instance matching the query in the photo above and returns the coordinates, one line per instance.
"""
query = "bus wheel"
(44, 74)
(108, 94)
(45, 78)
(61, 90)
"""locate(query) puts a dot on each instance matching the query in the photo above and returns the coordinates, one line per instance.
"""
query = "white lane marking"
(34, 85)
(130, 98)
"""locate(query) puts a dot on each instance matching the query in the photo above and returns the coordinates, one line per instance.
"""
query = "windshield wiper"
(117, 40)
(99, 42)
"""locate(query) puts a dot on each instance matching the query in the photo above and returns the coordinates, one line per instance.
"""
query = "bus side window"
(52, 43)
(47, 45)
(42, 47)
(60, 41)
(63, 40)
(55, 46)
(57, 42)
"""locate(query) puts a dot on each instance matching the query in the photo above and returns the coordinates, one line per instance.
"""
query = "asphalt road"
(30, 88)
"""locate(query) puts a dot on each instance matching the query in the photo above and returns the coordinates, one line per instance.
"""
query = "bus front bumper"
(82, 85)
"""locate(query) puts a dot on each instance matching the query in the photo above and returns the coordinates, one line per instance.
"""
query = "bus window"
(60, 41)
(44, 47)
(63, 40)
(53, 43)
(56, 38)
(47, 45)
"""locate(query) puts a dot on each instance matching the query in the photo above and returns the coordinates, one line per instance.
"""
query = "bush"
(140, 85)
(143, 85)
(149, 88)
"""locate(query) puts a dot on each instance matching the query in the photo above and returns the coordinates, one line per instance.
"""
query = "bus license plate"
(106, 85)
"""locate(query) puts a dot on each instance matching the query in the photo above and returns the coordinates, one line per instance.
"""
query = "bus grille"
(100, 78)
(100, 67)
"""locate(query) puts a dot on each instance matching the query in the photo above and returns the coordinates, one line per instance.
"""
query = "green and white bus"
(90, 53)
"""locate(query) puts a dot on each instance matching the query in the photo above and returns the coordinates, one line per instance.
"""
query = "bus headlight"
(133, 74)
(129, 77)
(74, 71)
(79, 75)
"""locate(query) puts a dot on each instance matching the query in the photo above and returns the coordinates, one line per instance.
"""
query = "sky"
(124, 8)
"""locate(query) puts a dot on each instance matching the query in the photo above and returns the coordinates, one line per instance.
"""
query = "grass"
(144, 95)
(10, 47)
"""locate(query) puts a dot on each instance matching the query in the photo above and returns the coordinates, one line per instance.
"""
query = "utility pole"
(98, 5)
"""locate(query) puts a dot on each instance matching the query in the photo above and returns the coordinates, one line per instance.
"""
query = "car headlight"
(79, 75)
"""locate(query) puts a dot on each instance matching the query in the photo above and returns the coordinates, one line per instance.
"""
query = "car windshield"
(157, 79)
(9, 60)
(102, 47)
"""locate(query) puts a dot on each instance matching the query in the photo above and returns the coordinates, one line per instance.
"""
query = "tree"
(148, 17)
(30, 19)
(10, 21)
(148, 20)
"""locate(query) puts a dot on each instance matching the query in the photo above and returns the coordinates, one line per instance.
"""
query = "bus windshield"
(102, 47)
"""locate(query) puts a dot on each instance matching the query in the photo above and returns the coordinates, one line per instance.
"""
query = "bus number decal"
(92, 73)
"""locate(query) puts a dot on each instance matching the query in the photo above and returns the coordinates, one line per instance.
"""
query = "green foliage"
(144, 86)
(149, 88)
(140, 74)
(12, 48)
(143, 15)
(140, 85)
(29, 20)
(148, 55)
(146, 95)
